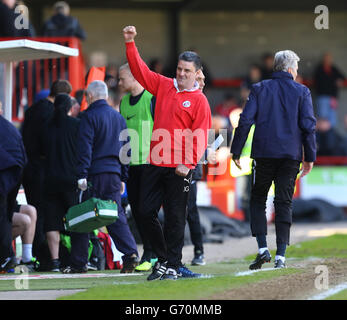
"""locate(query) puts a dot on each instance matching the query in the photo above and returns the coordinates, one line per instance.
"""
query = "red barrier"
(30, 77)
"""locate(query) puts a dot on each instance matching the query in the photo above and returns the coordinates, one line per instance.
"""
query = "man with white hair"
(284, 136)
(100, 162)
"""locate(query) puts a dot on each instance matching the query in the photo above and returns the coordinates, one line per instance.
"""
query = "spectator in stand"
(61, 24)
(254, 76)
(267, 68)
(112, 70)
(7, 18)
(35, 119)
(23, 225)
(59, 143)
(156, 65)
(228, 105)
(329, 141)
(327, 80)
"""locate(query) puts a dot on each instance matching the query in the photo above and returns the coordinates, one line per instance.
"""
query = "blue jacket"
(99, 143)
(12, 157)
(282, 112)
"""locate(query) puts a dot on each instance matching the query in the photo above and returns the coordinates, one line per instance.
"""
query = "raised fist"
(129, 33)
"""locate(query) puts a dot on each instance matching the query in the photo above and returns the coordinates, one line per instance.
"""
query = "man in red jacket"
(181, 122)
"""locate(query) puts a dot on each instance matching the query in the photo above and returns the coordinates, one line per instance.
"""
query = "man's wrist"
(236, 156)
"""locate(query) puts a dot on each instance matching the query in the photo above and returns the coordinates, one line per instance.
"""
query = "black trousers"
(7, 207)
(161, 186)
(194, 219)
(283, 173)
(33, 183)
(136, 174)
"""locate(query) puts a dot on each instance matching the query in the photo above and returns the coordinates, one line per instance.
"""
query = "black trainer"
(55, 265)
(70, 269)
(31, 266)
(260, 260)
(279, 264)
(130, 263)
(198, 259)
(157, 271)
(170, 274)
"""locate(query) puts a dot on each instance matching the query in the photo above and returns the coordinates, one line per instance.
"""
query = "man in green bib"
(137, 108)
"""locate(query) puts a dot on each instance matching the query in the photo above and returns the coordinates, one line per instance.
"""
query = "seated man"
(23, 225)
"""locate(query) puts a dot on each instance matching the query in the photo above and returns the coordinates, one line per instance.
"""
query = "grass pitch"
(220, 277)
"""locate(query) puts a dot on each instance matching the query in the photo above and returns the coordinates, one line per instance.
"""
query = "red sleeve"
(202, 123)
(147, 78)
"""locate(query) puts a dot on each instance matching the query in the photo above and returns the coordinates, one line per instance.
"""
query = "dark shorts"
(56, 206)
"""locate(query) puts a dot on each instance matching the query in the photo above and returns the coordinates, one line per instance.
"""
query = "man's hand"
(182, 170)
(82, 184)
(237, 163)
(122, 188)
(211, 156)
(306, 168)
(236, 159)
(129, 33)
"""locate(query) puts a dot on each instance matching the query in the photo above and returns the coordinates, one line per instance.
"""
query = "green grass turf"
(174, 290)
(342, 295)
(136, 287)
(328, 247)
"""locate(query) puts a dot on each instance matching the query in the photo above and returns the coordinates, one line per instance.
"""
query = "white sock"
(27, 252)
(280, 258)
(262, 250)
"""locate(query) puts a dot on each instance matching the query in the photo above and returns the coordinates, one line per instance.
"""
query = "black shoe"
(7, 264)
(170, 274)
(198, 259)
(130, 263)
(91, 267)
(279, 264)
(55, 265)
(70, 269)
(260, 259)
(158, 271)
(32, 266)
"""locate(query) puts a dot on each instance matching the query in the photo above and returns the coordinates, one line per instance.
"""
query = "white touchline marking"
(67, 276)
(330, 292)
(246, 273)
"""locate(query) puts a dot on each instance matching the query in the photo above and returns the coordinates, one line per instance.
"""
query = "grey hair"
(285, 59)
(124, 66)
(98, 89)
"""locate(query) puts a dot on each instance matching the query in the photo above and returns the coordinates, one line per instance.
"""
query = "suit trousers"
(162, 186)
(283, 173)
